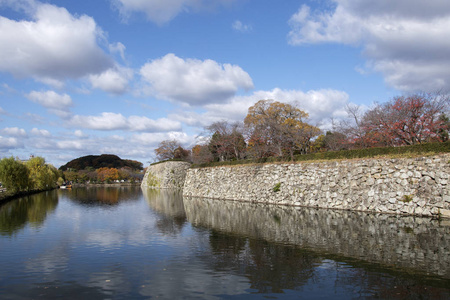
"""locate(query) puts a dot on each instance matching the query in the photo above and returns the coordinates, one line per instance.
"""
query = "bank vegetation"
(25, 177)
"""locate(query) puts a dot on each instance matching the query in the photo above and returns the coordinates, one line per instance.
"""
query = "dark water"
(128, 243)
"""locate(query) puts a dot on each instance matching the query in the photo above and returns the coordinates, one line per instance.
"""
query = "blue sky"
(119, 76)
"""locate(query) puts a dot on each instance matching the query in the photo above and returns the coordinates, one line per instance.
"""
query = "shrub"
(14, 175)
(277, 186)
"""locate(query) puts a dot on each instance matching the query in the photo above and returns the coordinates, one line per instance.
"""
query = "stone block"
(445, 213)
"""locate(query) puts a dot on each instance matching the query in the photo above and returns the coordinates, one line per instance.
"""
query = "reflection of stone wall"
(167, 175)
(416, 186)
(168, 203)
(419, 244)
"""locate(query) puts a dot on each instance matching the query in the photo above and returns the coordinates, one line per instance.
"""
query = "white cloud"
(13, 131)
(72, 145)
(321, 105)
(153, 139)
(406, 40)
(40, 132)
(163, 11)
(106, 121)
(137, 123)
(116, 121)
(55, 103)
(118, 48)
(53, 46)
(50, 99)
(193, 81)
(80, 134)
(114, 80)
(10, 143)
(239, 26)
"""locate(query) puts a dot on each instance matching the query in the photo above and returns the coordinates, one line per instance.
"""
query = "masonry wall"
(167, 175)
(414, 186)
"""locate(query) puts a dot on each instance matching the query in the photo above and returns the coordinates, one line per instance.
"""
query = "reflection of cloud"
(49, 262)
(192, 281)
(105, 239)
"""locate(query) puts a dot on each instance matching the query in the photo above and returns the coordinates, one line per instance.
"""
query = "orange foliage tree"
(107, 174)
(278, 128)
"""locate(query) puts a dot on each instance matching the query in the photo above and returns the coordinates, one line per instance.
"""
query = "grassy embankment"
(418, 150)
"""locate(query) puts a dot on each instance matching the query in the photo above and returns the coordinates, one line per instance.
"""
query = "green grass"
(277, 186)
(404, 151)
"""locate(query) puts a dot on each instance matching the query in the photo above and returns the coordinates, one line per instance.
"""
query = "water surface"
(128, 243)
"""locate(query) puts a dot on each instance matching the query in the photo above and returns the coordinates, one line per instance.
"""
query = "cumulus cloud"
(406, 40)
(241, 27)
(72, 145)
(58, 104)
(10, 143)
(52, 46)
(14, 131)
(114, 80)
(40, 132)
(80, 134)
(163, 11)
(193, 81)
(50, 99)
(115, 121)
(153, 139)
(321, 105)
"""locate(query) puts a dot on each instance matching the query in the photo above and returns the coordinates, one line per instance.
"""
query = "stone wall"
(167, 175)
(414, 186)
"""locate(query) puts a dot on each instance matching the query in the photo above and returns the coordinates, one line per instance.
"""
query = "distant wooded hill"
(101, 161)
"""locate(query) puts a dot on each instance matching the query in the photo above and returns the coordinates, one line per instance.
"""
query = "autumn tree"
(181, 153)
(171, 149)
(408, 120)
(227, 141)
(107, 174)
(201, 154)
(443, 132)
(281, 127)
(351, 130)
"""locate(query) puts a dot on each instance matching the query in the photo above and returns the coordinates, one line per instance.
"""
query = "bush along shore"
(20, 178)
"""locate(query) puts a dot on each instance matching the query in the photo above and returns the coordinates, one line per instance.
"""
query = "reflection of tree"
(33, 209)
(270, 267)
(103, 195)
(168, 204)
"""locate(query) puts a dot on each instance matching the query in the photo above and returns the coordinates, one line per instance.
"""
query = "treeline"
(32, 175)
(101, 161)
(105, 168)
(273, 129)
(103, 175)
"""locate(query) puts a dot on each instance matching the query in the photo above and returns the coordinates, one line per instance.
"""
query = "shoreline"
(5, 197)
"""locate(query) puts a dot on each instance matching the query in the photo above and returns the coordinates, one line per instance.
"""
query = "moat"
(133, 243)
